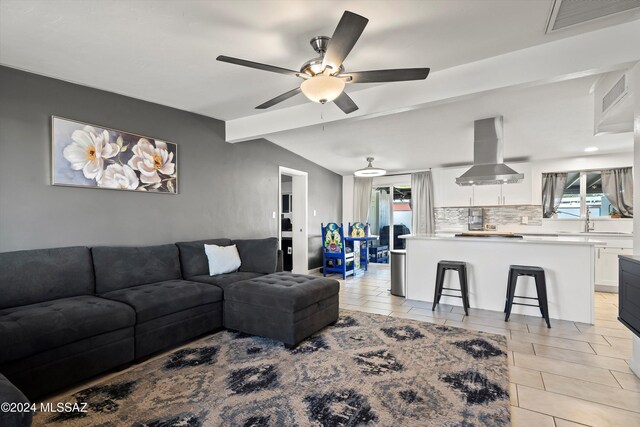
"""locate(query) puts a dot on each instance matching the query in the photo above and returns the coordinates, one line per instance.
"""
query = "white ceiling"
(164, 51)
(542, 122)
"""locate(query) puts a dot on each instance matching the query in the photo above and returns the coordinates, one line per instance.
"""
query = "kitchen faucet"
(588, 225)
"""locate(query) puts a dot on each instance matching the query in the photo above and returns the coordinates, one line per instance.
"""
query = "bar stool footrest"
(528, 305)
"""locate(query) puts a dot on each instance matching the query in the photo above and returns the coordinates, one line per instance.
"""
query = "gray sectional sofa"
(67, 314)
(17, 416)
(168, 309)
(54, 330)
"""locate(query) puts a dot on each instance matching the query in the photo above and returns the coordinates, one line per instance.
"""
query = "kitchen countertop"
(549, 233)
(527, 239)
(591, 233)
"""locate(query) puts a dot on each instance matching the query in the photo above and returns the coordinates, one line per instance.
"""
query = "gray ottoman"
(282, 306)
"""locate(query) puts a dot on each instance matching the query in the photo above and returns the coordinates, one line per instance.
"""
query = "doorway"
(293, 217)
(389, 217)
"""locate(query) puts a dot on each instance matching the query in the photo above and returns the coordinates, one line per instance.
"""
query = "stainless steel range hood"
(488, 159)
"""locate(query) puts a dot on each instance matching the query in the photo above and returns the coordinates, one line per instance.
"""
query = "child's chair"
(358, 229)
(335, 255)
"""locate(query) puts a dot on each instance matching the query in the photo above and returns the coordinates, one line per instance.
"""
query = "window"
(596, 201)
(584, 190)
(571, 203)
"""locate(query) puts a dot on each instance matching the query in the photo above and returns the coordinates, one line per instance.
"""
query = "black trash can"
(398, 272)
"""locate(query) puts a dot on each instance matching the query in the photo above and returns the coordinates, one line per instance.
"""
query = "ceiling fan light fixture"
(370, 171)
(322, 88)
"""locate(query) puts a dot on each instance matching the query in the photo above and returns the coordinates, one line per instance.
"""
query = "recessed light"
(590, 149)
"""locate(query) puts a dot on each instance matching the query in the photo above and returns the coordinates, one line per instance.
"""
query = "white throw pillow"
(222, 259)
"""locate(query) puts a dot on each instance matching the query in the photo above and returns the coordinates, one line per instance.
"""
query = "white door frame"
(299, 217)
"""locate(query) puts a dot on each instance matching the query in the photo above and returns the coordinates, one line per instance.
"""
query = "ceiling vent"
(616, 93)
(567, 13)
(612, 105)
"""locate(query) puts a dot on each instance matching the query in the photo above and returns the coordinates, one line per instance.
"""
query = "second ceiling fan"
(325, 77)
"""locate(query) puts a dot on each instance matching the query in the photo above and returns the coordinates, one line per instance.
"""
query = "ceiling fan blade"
(257, 65)
(344, 38)
(345, 103)
(380, 76)
(278, 99)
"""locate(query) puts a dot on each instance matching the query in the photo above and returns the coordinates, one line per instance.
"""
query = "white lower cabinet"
(606, 274)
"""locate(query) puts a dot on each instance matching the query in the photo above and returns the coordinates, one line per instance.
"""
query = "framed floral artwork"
(85, 155)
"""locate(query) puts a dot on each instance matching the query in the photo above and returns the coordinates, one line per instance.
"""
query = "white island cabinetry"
(607, 267)
(568, 263)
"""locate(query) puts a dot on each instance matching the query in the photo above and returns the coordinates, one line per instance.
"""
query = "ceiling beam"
(590, 53)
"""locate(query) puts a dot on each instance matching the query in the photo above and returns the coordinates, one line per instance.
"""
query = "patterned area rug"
(364, 370)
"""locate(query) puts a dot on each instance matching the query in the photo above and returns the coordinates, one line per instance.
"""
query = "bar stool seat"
(461, 268)
(538, 275)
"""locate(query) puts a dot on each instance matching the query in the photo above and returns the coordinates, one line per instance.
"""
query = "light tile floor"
(570, 375)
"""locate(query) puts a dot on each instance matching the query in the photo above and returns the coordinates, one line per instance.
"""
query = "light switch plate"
(525, 220)
(273, 215)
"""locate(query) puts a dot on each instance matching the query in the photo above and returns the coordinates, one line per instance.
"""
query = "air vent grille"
(567, 13)
(613, 96)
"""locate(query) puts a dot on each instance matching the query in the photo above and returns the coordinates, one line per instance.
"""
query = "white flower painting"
(91, 156)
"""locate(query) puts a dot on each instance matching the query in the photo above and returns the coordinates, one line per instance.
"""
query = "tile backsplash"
(457, 218)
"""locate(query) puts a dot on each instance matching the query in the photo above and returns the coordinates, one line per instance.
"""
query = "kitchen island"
(568, 263)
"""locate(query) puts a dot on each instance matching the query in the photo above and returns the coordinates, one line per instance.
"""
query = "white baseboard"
(375, 265)
(607, 288)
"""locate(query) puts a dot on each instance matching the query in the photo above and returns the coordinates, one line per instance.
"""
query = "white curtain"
(617, 185)
(422, 203)
(553, 185)
(384, 207)
(361, 199)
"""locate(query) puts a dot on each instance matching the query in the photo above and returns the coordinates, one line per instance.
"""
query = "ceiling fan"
(324, 77)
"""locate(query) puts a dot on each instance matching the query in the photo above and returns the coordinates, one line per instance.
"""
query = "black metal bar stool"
(537, 273)
(461, 268)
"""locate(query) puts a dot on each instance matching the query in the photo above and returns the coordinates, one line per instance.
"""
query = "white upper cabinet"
(520, 193)
(487, 195)
(446, 192)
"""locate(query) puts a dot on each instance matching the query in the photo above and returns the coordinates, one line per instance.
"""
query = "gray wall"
(226, 190)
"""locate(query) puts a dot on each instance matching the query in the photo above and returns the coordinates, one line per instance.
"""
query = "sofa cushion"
(222, 259)
(193, 260)
(126, 267)
(30, 329)
(30, 277)
(224, 280)
(282, 291)
(258, 255)
(160, 299)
